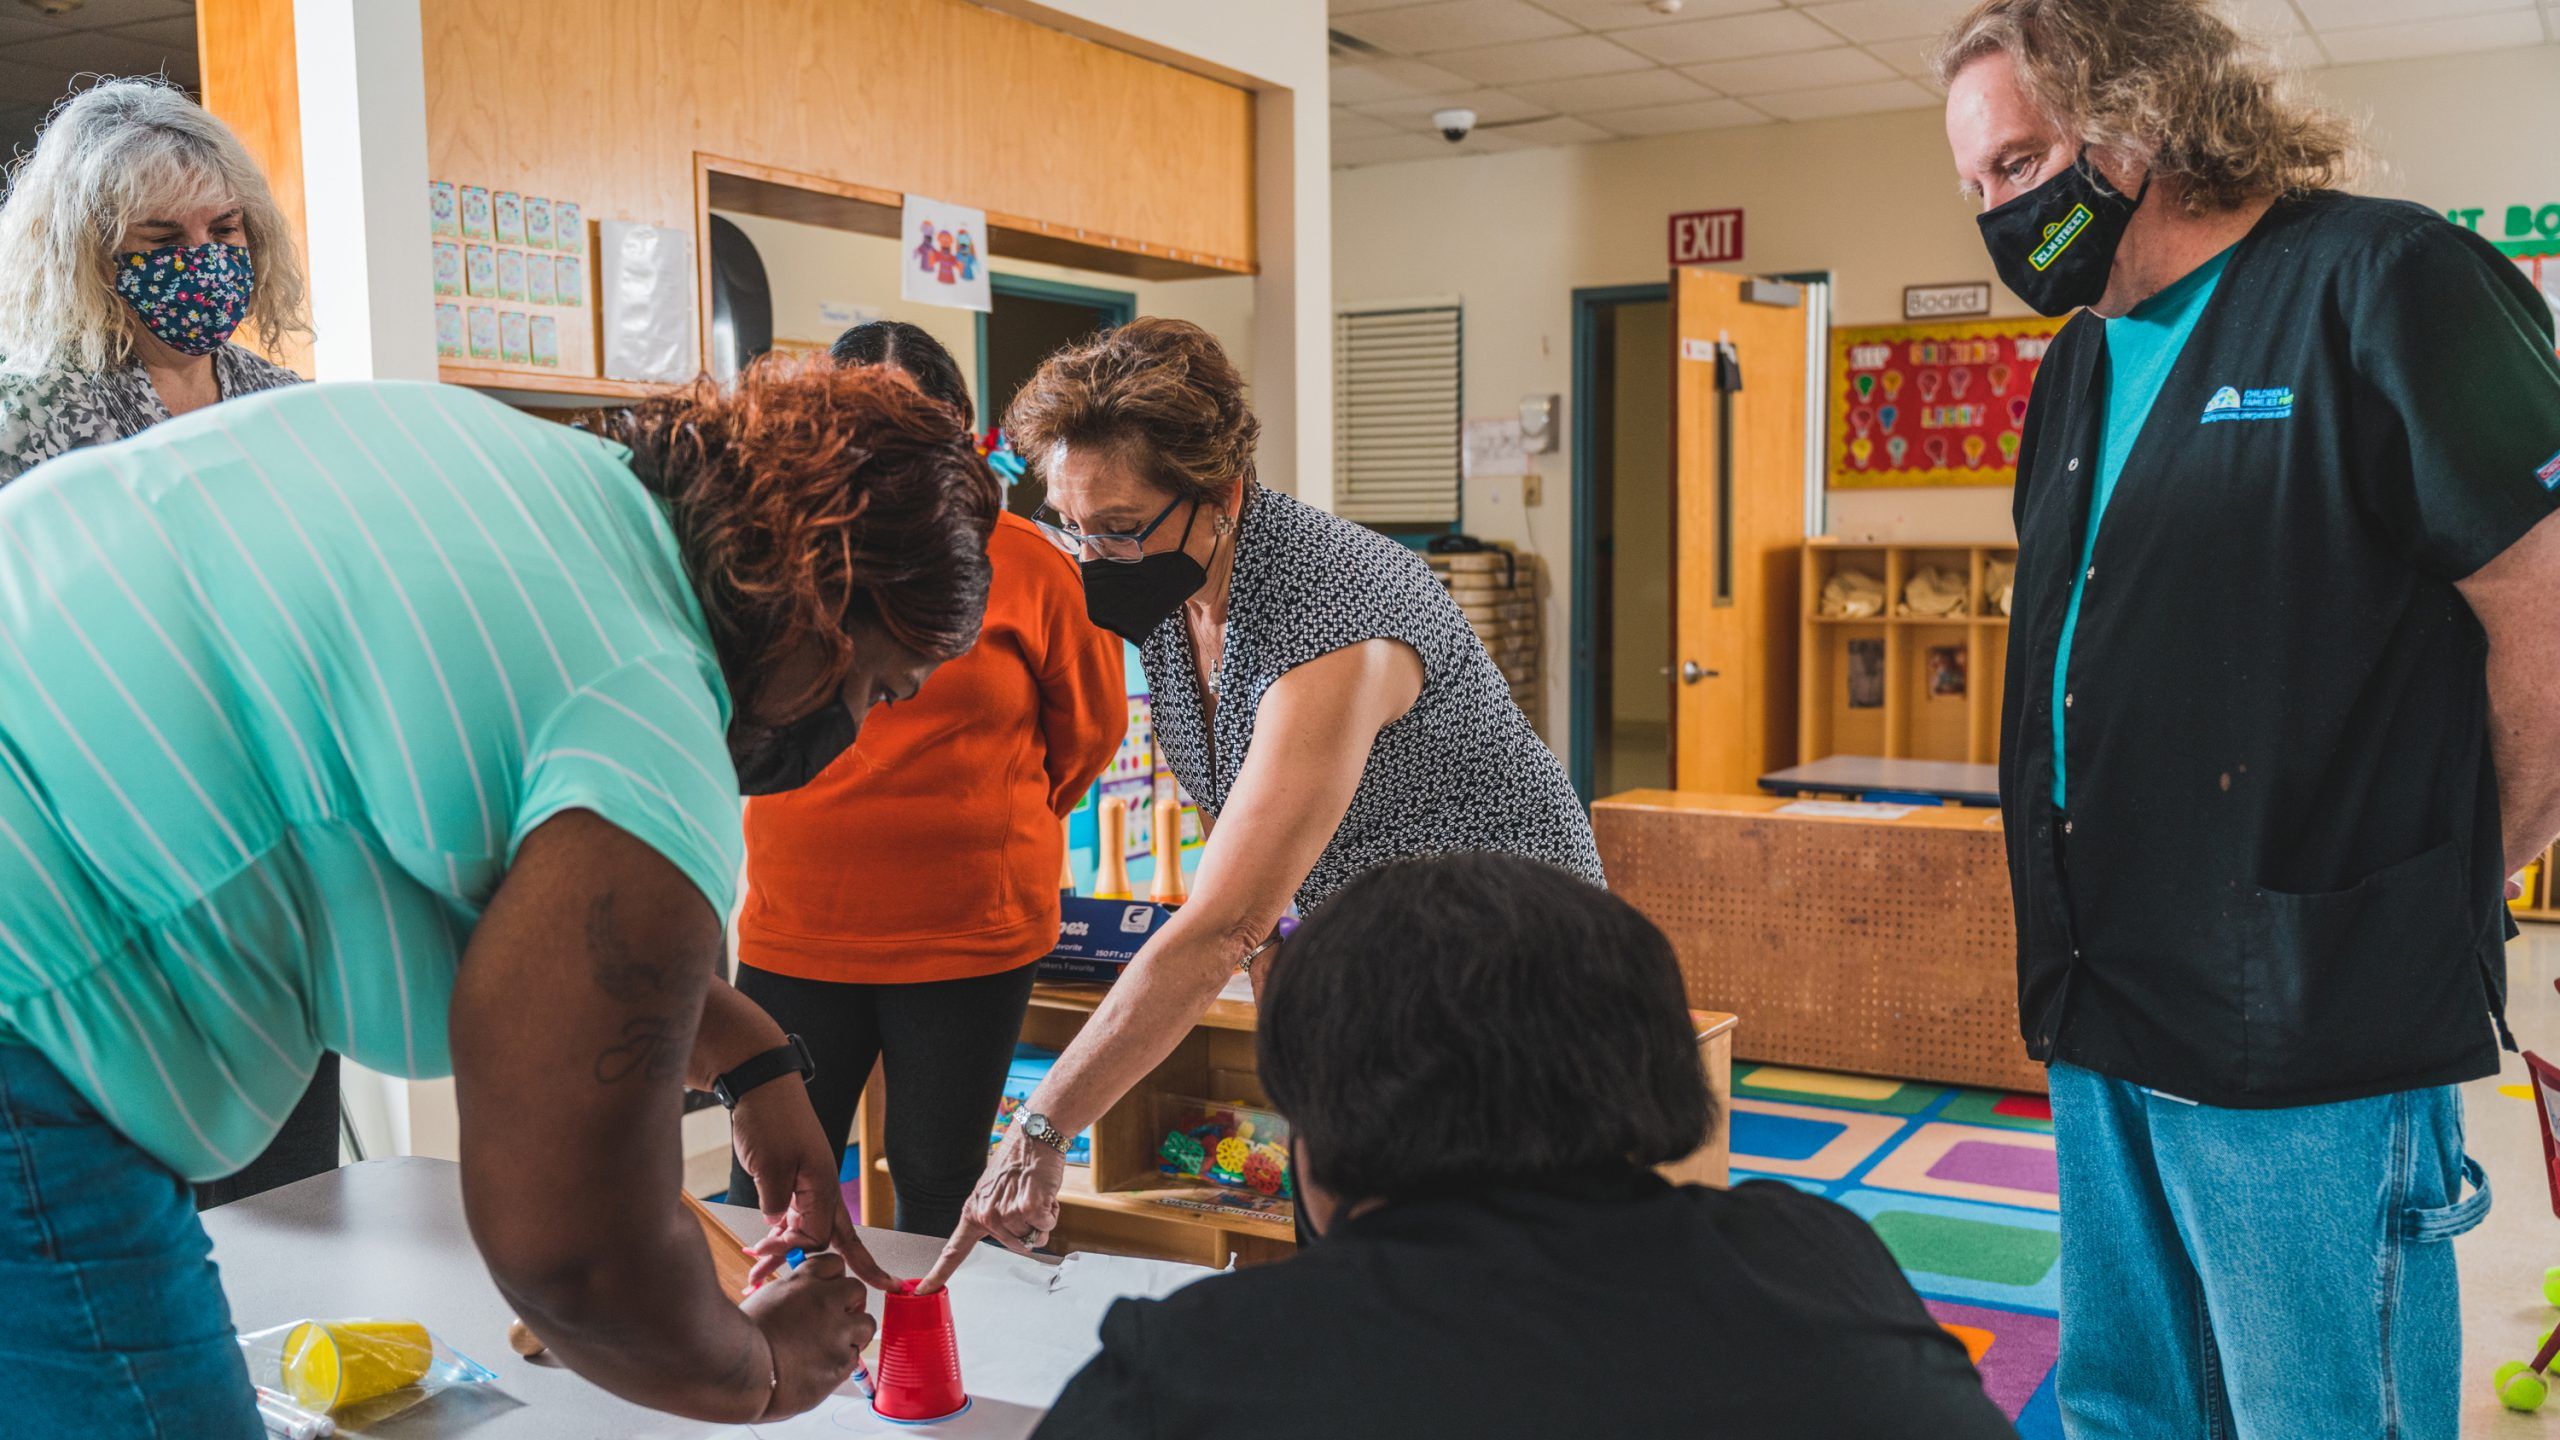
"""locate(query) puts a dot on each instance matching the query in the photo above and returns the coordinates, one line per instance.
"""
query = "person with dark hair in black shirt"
(2283, 714)
(1481, 1058)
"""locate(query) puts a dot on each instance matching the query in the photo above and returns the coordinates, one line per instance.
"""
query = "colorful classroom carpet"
(1959, 1185)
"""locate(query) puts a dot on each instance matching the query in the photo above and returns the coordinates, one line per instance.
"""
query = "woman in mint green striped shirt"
(383, 719)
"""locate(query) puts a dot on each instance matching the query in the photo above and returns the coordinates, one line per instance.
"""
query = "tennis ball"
(2507, 1372)
(2523, 1390)
(2551, 1284)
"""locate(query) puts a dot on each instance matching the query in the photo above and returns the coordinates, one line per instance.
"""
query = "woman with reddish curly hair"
(385, 720)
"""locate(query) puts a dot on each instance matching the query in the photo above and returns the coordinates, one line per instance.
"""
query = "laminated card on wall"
(646, 274)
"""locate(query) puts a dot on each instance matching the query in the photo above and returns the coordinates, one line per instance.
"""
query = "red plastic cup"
(919, 1376)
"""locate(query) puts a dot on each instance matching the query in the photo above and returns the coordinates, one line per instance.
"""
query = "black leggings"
(946, 1045)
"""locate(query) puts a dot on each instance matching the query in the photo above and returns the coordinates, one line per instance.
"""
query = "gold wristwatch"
(1037, 1126)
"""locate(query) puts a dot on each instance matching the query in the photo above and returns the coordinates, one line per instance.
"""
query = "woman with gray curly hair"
(134, 243)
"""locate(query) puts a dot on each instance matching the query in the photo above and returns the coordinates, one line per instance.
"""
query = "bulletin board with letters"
(1938, 404)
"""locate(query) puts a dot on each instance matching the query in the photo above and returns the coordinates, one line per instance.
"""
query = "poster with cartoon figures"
(943, 257)
(1932, 404)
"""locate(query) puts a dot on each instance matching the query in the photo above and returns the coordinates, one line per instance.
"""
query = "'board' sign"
(1940, 302)
(1706, 237)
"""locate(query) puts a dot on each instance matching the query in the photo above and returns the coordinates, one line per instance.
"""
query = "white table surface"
(386, 1237)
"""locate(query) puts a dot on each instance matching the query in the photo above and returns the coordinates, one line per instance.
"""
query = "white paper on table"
(1025, 1329)
(1239, 988)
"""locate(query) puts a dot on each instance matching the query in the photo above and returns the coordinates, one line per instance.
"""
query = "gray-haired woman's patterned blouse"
(1461, 770)
(43, 415)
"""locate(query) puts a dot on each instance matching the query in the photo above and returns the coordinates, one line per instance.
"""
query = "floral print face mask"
(191, 296)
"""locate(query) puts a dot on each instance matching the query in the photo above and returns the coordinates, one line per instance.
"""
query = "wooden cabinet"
(1899, 685)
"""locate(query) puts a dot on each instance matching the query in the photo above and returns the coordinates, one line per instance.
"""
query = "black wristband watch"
(783, 1059)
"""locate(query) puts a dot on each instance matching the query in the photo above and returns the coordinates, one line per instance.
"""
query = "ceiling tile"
(2295, 52)
(1866, 99)
(2327, 15)
(1673, 119)
(42, 86)
(99, 14)
(98, 50)
(1390, 149)
(1634, 14)
(1614, 92)
(1452, 25)
(1491, 106)
(1557, 59)
(2433, 37)
(1562, 130)
(1392, 80)
(1352, 125)
(2262, 17)
(1734, 37)
(176, 34)
(1915, 58)
(1355, 7)
(1865, 20)
(1803, 70)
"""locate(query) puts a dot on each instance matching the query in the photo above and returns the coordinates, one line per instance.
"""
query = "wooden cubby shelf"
(1915, 713)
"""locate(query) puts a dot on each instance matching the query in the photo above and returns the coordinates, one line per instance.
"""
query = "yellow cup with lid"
(333, 1363)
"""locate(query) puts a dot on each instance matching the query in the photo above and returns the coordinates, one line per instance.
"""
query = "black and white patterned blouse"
(43, 415)
(1461, 770)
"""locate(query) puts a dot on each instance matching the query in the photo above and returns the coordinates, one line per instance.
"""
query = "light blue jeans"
(113, 1325)
(2262, 1274)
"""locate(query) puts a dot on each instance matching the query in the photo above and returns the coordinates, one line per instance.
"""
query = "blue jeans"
(113, 1324)
(2259, 1273)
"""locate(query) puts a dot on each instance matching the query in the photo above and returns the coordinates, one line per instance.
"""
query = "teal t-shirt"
(283, 685)
(2142, 346)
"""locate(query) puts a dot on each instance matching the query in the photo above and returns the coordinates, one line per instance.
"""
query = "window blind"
(1396, 388)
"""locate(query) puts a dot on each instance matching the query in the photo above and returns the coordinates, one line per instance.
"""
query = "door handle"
(1691, 672)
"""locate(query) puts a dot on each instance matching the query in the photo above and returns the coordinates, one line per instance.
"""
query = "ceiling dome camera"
(1455, 124)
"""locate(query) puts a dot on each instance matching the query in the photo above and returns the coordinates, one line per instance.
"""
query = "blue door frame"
(1587, 305)
(1118, 307)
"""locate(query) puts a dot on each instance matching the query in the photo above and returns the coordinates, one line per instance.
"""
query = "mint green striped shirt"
(283, 685)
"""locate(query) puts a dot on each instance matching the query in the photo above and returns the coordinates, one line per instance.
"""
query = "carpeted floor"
(1959, 1185)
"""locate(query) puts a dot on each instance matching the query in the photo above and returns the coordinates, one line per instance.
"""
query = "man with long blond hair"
(2282, 716)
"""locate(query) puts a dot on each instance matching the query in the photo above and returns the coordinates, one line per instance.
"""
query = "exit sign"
(1706, 237)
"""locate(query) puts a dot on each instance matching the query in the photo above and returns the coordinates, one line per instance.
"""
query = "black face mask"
(1131, 598)
(2055, 245)
(785, 757)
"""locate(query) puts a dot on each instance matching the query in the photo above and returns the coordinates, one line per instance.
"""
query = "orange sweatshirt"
(931, 849)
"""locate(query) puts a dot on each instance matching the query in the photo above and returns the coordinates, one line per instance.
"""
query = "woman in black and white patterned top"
(1315, 690)
(134, 241)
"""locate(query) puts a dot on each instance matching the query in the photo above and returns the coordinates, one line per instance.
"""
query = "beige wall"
(1871, 199)
(812, 268)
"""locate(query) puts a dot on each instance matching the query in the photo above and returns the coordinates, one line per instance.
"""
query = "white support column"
(362, 85)
(364, 163)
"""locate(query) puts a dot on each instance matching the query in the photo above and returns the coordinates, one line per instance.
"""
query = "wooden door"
(1738, 514)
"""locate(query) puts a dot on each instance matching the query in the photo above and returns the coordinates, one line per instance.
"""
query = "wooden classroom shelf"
(1910, 723)
(1108, 1205)
(569, 388)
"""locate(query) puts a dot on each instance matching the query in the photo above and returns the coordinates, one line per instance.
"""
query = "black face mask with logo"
(2055, 245)
(775, 758)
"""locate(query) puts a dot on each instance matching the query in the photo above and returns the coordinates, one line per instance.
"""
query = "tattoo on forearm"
(650, 1048)
(655, 1042)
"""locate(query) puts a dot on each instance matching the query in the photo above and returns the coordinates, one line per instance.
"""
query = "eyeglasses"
(1118, 549)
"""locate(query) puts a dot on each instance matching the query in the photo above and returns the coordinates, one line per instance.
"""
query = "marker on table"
(861, 1376)
(289, 1421)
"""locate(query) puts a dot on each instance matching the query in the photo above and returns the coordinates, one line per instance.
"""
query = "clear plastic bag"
(353, 1373)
